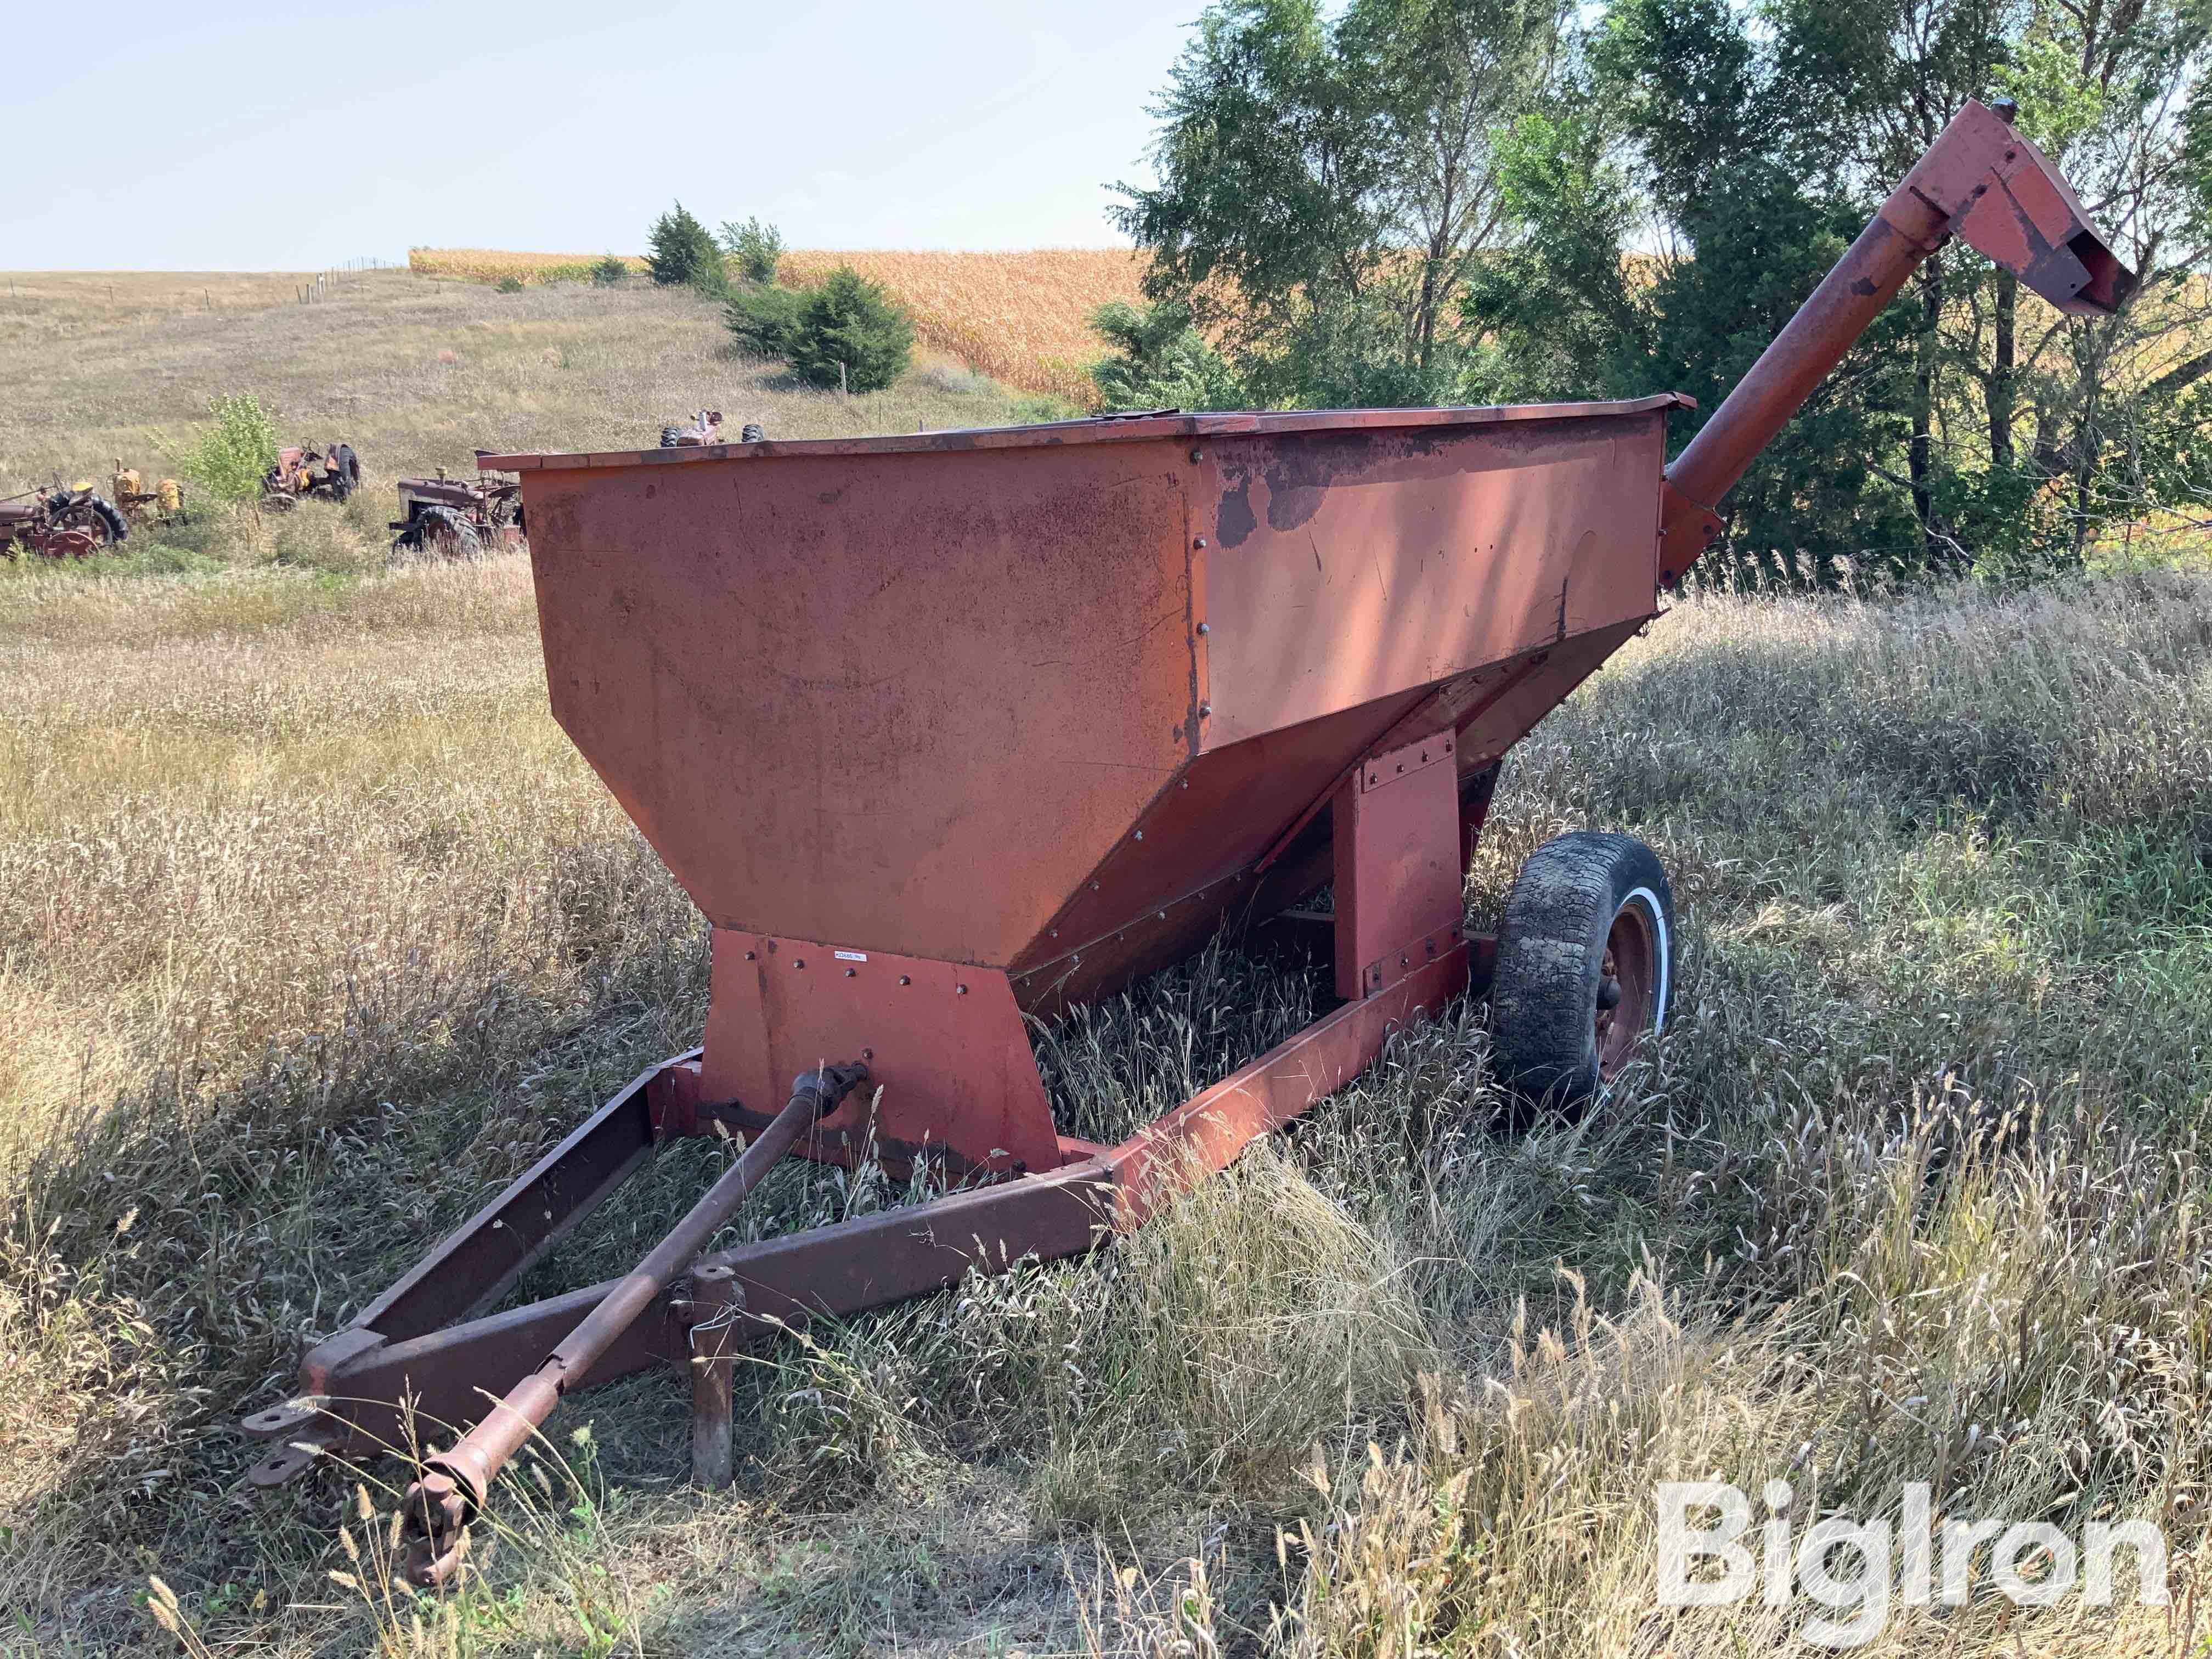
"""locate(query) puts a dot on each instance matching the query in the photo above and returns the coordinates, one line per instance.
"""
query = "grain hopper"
(947, 732)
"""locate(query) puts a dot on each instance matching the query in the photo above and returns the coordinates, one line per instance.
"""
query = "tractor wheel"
(668, 436)
(345, 471)
(1585, 964)
(442, 533)
(95, 518)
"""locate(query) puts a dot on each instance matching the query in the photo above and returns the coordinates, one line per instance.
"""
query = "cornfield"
(1020, 318)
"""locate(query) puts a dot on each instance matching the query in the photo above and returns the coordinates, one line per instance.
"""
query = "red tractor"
(458, 519)
(60, 523)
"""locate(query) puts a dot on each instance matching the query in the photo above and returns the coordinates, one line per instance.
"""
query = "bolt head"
(1204, 629)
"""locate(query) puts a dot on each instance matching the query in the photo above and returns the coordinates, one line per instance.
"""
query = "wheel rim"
(1627, 987)
(80, 535)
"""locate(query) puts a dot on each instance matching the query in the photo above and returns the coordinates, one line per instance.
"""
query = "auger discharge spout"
(1981, 182)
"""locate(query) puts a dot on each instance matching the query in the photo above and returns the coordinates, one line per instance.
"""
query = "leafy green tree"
(679, 247)
(1159, 360)
(850, 333)
(756, 247)
(609, 272)
(1327, 186)
(764, 319)
(847, 332)
(1574, 307)
(229, 457)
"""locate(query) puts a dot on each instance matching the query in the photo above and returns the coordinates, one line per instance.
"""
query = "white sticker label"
(851, 956)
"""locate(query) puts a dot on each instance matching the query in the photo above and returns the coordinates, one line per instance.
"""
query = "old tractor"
(302, 472)
(164, 504)
(948, 732)
(458, 518)
(64, 522)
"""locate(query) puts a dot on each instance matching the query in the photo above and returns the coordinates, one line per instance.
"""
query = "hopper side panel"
(1350, 565)
(902, 702)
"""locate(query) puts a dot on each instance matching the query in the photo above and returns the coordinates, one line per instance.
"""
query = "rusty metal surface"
(945, 1043)
(456, 1480)
(841, 1269)
(1981, 181)
(1011, 783)
(709, 1315)
(1399, 879)
(480, 1261)
(1184, 866)
(1343, 566)
(900, 702)
(1118, 429)
(438, 1382)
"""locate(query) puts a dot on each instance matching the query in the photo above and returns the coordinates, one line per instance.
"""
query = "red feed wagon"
(948, 731)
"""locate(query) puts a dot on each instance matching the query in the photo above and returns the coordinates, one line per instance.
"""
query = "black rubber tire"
(345, 471)
(668, 435)
(1551, 951)
(750, 434)
(98, 508)
(439, 522)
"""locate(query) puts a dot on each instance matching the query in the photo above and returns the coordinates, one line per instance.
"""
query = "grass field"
(1020, 318)
(315, 930)
(414, 374)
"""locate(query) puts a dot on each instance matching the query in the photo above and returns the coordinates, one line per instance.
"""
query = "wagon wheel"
(1585, 964)
(278, 500)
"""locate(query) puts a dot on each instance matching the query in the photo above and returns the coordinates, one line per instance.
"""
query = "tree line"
(1410, 202)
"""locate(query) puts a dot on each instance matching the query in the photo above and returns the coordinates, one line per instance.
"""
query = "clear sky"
(256, 137)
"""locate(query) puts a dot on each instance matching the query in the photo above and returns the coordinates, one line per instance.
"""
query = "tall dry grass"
(315, 932)
(50, 308)
(488, 265)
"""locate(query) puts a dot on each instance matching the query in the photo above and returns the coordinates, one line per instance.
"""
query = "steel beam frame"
(424, 1361)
